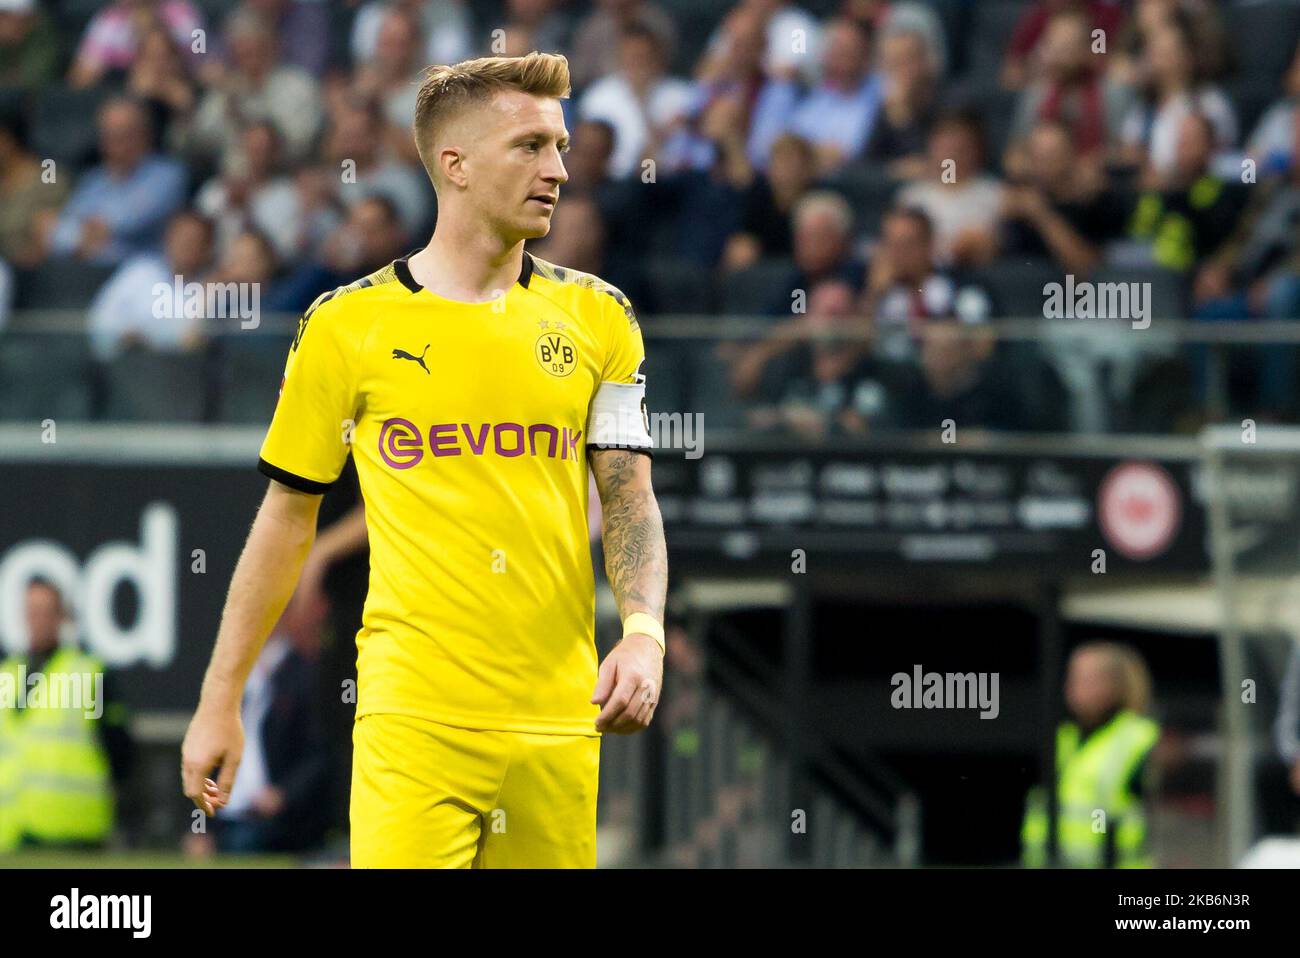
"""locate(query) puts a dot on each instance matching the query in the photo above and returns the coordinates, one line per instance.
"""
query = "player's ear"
(452, 163)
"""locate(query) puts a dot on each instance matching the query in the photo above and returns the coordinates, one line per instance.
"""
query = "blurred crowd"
(875, 180)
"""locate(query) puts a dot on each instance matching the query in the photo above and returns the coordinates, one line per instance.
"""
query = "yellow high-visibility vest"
(1093, 797)
(55, 778)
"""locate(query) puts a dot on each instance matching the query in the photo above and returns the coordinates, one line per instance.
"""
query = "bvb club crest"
(556, 353)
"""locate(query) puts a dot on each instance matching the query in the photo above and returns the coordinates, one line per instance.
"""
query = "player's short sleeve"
(618, 417)
(306, 445)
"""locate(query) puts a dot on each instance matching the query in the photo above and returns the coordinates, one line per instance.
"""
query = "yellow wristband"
(645, 624)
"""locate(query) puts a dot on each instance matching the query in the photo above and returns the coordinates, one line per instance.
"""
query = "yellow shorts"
(426, 795)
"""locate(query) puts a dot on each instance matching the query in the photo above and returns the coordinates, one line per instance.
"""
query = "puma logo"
(403, 354)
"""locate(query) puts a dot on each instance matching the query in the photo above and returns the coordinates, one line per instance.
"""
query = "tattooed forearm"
(636, 556)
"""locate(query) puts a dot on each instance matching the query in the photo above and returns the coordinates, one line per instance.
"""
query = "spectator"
(827, 385)
(249, 258)
(302, 29)
(1103, 757)
(546, 26)
(640, 101)
(255, 195)
(590, 148)
(29, 201)
(1149, 16)
(369, 239)
(444, 29)
(768, 204)
(1256, 274)
(906, 289)
(277, 802)
(322, 208)
(355, 144)
(594, 53)
(1190, 210)
(391, 77)
(65, 757)
(961, 199)
(703, 206)
(576, 238)
(1261, 257)
(1073, 89)
(623, 207)
(888, 18)
(792, 39)
(119, 207)
(254, 85)
(838, 115)
(517, 41)
(823, 226)
(1272, 145)
(29, 46)
(112, 38)
(823, 249)
(250, 261)
(335, 574)
(1286, 727)
(740, 77)
(1173, 88)
(965, 378)
(908, 106)
(1061, 209)
(136, 306)
(160, 79)
(1019, 66)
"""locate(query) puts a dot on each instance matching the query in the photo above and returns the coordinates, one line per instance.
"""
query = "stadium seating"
(43, 375)
(1167, 300)
(1250, 98)
(59, 284)
(250, 371)
(991, 28)
(1263, 38)
(1016, 286)
(679, 287)
(870, 192)
(144, 386)
(708, 389)
(63, 125)
(665, 380)
(755, 290)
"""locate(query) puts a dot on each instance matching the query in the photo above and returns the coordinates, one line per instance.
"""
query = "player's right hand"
(214, 739)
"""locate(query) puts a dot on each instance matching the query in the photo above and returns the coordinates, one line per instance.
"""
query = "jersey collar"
(403, 270)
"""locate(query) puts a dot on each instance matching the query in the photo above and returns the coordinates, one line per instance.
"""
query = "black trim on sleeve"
(289, 479)
(644, 450)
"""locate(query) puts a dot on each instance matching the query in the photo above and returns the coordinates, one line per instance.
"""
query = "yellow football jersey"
(469, 424)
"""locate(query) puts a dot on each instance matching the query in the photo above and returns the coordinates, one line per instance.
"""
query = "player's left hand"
(628, 685)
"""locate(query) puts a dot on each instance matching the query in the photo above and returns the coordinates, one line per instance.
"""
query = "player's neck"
(470, 269)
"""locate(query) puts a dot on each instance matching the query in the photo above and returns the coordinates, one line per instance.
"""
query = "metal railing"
(47, 368)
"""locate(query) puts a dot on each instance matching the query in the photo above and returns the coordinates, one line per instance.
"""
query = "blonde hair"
(1129, 670)
(446, 91)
